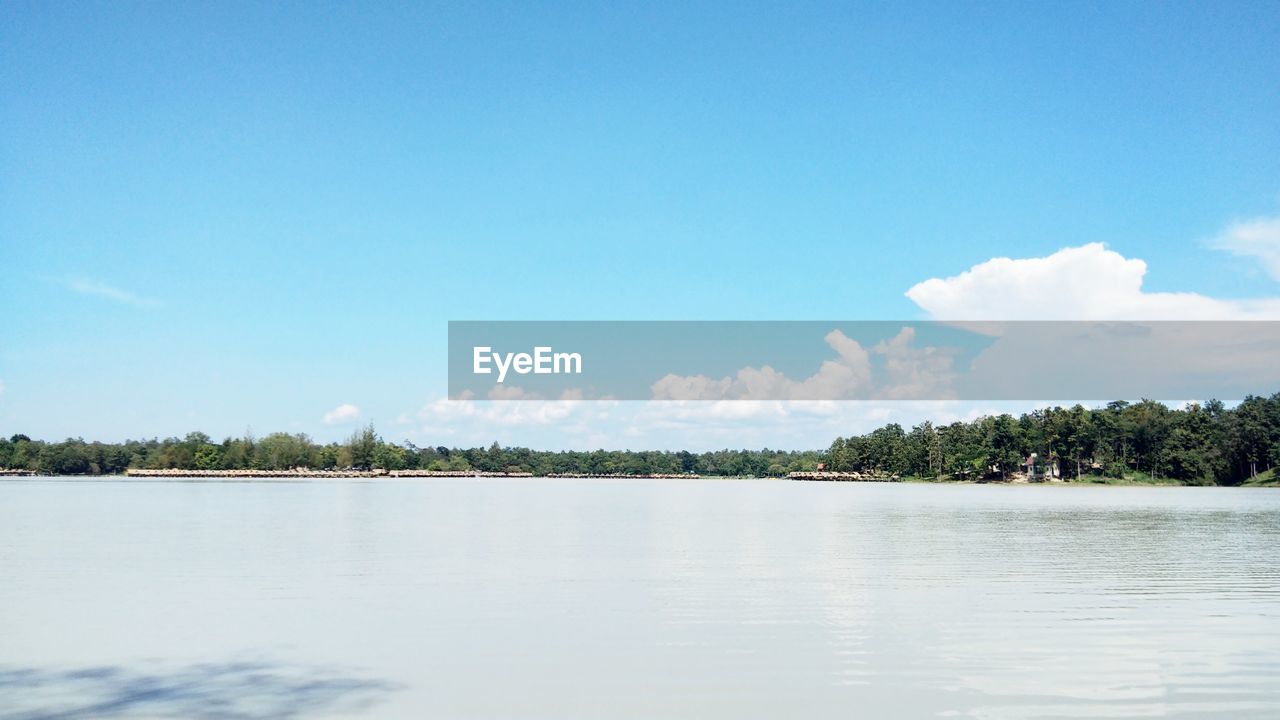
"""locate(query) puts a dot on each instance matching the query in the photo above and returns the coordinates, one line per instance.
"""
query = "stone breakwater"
(5, 472)
(233, 474)
(299, 473)
(842, 476)
(647, 476)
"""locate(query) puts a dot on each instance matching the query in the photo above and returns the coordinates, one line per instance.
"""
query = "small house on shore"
(1040, 469)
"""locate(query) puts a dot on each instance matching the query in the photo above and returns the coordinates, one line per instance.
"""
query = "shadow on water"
(228, 691)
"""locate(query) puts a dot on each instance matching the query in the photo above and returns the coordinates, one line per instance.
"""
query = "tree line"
(365, 450)
(1197, 444)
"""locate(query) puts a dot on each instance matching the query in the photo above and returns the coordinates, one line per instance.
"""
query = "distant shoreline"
(1266, 481)
(381, 473)
(1121, 443)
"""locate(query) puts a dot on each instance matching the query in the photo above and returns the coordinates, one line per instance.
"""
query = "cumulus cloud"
(912, 371)
(97, 288)
(511, 392)
(904, 371)
(691, 425)
(1089, 282)
(1094, 283)
(515, 392)
(1258, 238)
(844, 376)
(566, 423)
(342, 414)
(573, 424)
(444, 414)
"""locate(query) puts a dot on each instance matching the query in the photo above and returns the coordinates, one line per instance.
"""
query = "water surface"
(500, 598)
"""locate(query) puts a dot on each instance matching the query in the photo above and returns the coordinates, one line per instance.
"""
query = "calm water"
(588, 599)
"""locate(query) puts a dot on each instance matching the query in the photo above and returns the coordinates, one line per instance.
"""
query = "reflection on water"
(589, 598)
(230, 691)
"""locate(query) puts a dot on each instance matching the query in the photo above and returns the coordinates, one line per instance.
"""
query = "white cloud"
(1088, 282)
(908, 372)
(97, 288)
(444, 415)
(1258, 238)
(691, 425)
(1, 387)
(511, 392)
(1091, 282)
(914, 372)
(842, 377)
(344, 413)
(565, 423)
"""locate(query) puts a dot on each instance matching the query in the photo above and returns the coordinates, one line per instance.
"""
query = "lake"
(541, 598)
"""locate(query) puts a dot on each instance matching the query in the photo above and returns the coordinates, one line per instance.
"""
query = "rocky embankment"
(299, 473)
(842, 476)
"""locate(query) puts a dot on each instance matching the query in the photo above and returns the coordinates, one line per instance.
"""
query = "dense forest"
(1207, 444)
(1198, 444)
(365, 450)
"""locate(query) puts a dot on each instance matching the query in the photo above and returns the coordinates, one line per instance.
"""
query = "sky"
(224, 216)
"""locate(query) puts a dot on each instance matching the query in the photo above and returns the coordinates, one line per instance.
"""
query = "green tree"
(208, 457)
(361, 445)
(1002, 444)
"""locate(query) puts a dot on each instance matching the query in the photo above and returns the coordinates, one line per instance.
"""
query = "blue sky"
(227, 215)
